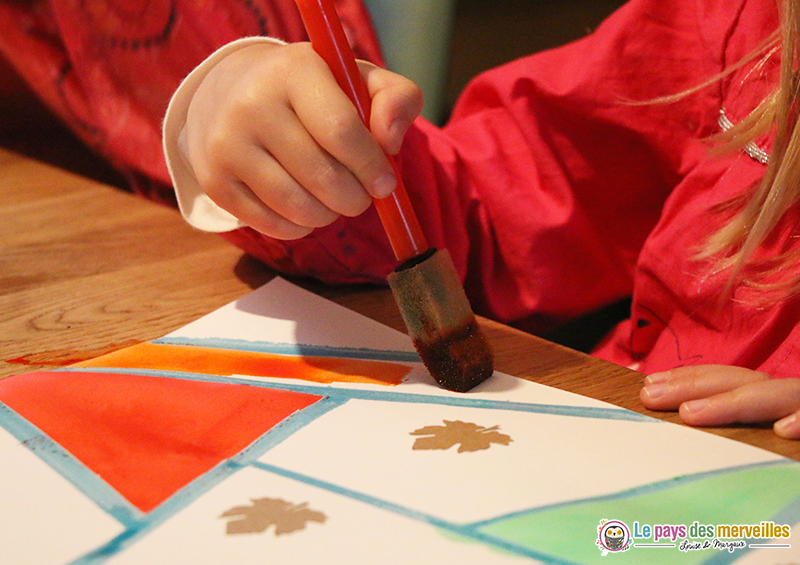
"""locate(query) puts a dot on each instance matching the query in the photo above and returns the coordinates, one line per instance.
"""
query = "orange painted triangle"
(148, 436)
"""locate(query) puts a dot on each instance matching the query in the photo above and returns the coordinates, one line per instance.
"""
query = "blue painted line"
(789, 515)
(486, 404)
(108, 550)
(178, 501)
(287, 428)
(637, 491)
(204, 483)
(391, 394)
(65, 464)
(293, 349)
(464, 531)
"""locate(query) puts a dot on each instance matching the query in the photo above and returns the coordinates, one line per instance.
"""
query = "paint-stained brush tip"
(440, 321)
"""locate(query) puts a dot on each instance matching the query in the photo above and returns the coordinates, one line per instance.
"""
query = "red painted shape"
(148, 436)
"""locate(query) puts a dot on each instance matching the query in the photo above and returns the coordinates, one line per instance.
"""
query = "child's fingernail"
(788, 426)
(384, 186)
(657, 378)
(694, 406)
(656, 390)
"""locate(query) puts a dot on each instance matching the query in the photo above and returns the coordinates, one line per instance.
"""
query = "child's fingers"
(331, 119)
(789, 426)
(717, 395)
(670, 389)
(273, 139)
(761, 401)
(313, 168)
(243, 179)
(281, 193)
(235, 196)
(396, 103)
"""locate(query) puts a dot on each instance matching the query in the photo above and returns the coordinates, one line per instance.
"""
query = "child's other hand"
(273, 140)
(716, 395)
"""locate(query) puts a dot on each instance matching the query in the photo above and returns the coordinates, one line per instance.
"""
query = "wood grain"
(85, 268)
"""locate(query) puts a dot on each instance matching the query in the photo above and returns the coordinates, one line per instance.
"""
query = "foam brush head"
(440, 321)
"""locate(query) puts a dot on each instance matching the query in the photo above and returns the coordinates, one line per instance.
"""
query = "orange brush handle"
(328, 39)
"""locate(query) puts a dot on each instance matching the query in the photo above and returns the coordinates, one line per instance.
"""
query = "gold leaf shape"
(265, 512)
(468, 436)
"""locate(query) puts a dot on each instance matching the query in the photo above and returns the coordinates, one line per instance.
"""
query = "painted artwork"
(284, 428)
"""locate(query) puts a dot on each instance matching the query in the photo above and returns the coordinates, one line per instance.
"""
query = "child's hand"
(273, 140)
(715, 395)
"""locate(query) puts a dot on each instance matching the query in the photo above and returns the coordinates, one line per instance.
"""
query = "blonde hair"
(756, 215)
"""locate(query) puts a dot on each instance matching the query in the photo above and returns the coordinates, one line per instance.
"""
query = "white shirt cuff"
(196, 207)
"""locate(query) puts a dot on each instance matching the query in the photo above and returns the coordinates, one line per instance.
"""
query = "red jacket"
(557, 192)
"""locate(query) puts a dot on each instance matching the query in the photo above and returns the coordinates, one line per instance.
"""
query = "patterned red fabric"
(109, 67)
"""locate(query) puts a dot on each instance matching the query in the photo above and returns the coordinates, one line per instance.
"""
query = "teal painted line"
(789, 515)
(287, 428)
(66, 465)
(156, 517)
(485, 404)
(304, 350)
(391, 394)
(458, 529)
(204, 483)
(637, 491)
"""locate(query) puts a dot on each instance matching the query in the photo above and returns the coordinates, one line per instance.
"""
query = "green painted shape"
(568, 532)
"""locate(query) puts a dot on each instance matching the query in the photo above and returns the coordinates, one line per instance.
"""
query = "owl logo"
(613, 536)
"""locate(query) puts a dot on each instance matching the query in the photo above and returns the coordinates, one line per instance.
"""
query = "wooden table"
(86, 269)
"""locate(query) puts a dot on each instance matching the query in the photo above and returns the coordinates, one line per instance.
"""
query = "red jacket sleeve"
(548, 178)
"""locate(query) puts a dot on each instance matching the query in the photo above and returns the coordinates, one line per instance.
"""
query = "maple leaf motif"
(265, 512)
(471, 437)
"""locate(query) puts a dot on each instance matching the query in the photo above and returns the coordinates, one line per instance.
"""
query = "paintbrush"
(425, 285)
